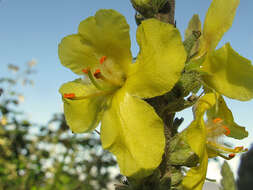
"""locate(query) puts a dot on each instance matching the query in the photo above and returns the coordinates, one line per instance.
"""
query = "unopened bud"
(144, 7)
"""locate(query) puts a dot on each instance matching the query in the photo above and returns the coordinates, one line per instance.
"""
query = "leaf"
(181, 153)
(228, 180)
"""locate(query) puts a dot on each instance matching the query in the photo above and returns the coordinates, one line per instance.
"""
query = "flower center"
(107, 78)
(215, 130)
(107, 75)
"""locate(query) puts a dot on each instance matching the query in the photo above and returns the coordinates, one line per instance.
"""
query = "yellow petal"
(76, 55)
(229, 74)
(133, 132)
(82, 115)
(108, 34)
(160, 62)
(104, 35)
(196, 138)
(195, 177)
(219, 19)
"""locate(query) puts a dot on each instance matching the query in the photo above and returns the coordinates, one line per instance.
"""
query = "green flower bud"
(148, 8)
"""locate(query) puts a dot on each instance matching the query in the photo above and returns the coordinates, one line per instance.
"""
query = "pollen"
(102, 59)
(97, 74)
(85, 70)
(227, 130)
(238, 148)
(231, 155)
(70, 95)
(217, 120)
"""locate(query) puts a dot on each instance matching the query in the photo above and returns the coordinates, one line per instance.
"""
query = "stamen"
(238, 148)
(102, 59)
(69, 96)
(217, 120)
(227, 132)
(217, 147)
(231, 155)
(97, 74)
(86, 70)
(94, 81)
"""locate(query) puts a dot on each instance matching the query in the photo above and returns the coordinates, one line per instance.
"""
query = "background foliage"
(46, 157)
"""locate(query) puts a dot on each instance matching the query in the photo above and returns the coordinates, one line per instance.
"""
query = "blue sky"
(33, 29)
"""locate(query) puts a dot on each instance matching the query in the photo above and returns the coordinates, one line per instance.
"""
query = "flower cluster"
(112, 88)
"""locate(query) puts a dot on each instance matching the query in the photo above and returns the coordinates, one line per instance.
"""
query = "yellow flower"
(204, 137)
(224, 70)
(114, 87)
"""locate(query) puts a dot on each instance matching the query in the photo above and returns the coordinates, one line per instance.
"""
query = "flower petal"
(104, 35)
(195, 177)
(223, 112)
(82, 114)
(133, 132)
(76, 55)
(196, 138)
(108, 34)
(219, 19)
(160, 62)
(229, 74)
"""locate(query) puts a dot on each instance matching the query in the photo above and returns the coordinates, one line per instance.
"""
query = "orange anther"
(86, 70)
(70, 95)
(231, 155)
(97, 73)
(102, 59)
(227, 132)
(217, 120)
(238, 148)
(246, 149)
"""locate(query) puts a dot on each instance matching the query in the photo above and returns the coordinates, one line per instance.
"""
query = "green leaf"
(223, 112)
(219, 19)
(181, 153)
(82, 114)
(229, 74)
(105, 34)
(228, 180)
(132, 131)
(161, 60)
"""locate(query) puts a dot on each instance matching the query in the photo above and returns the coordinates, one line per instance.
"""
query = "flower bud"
(144, 7)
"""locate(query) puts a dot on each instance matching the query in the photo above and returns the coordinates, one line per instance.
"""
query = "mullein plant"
(135, 100)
